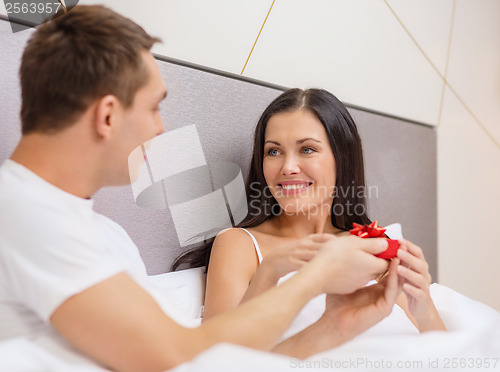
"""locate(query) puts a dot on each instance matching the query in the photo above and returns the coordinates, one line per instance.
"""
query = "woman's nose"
(290, 165)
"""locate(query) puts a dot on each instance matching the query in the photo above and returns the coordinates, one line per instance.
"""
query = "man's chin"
(133, 176)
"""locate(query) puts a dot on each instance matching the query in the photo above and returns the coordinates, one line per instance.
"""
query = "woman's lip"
(294, 183)
(302, 186)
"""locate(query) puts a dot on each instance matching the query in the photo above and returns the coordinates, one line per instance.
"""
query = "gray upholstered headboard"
(400, 155)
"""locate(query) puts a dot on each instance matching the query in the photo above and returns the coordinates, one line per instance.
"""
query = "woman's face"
(298, 163)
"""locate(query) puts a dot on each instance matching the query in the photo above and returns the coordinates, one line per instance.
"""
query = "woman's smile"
(292, 188)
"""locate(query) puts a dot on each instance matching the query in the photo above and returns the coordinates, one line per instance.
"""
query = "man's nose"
(160, 129)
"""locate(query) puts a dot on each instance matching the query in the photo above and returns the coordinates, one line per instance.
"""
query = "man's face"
(141, 121)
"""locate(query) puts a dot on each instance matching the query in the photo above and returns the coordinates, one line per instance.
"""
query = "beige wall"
(434, 61)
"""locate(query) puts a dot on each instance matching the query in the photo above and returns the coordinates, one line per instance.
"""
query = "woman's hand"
(292, 256)
(414, 269)
(283, 260)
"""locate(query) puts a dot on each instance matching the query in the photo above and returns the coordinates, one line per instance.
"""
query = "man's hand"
(346, 316)
(351, 314)
(292, 256)
(345, 264)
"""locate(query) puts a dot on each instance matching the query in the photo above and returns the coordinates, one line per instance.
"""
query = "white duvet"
(472, 343)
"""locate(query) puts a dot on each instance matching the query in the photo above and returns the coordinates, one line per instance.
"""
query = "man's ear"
(107, 115)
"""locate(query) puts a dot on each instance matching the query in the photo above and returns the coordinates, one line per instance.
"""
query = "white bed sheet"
(474, 336)
(471, 343)
(434, 351)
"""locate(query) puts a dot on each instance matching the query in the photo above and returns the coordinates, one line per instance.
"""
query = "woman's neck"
(301, 225)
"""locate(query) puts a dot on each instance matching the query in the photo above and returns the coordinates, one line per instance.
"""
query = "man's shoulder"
(16, 184)
(20, 198)
(32, 210)
(15, 194)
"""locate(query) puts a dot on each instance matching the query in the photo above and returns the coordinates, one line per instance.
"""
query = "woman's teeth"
(294, 187)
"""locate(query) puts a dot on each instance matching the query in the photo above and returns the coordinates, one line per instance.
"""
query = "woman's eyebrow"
(298, 142)
(306, 139)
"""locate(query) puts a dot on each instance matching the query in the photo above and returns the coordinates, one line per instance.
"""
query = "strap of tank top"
(257, 248)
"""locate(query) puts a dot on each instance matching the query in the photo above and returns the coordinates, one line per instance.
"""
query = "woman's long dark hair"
(347, 150)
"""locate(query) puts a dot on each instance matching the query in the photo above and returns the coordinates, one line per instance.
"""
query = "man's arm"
(119, 324)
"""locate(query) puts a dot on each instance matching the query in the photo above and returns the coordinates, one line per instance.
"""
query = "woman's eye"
(273, 152)
(307, 150)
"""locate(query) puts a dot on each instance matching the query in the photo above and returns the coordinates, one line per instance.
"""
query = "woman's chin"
(311, 210)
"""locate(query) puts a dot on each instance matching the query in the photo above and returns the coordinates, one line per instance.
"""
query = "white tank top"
(255, 244)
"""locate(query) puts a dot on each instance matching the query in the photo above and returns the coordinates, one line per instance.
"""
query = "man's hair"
(79, 57)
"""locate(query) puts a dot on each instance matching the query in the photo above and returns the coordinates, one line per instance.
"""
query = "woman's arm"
(233, 262)
(418, 304)
(279, 262)
(235, 276)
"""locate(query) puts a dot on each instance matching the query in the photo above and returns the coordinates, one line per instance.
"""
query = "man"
(90, 95)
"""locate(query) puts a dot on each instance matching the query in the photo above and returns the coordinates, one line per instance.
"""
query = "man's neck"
(64, 164)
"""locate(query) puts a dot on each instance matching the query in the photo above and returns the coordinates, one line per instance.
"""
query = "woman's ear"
(106, 115)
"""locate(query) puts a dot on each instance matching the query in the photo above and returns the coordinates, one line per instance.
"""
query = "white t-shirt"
(53, 246)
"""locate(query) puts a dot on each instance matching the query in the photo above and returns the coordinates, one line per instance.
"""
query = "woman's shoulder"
(234, 247)
(233, 236)
(266, 228)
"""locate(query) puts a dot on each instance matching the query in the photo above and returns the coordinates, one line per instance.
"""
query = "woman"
(306, 176)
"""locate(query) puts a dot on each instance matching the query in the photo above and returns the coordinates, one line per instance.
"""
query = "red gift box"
(374, 231)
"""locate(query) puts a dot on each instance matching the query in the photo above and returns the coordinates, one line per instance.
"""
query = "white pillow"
(184, 289)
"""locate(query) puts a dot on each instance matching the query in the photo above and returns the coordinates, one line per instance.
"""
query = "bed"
(222, 109)
(471, 343)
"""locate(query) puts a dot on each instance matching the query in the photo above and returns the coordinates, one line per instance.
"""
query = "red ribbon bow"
(374, 231)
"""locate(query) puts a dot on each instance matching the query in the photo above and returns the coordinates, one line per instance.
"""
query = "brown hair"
(348, 153)
(78, 57)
